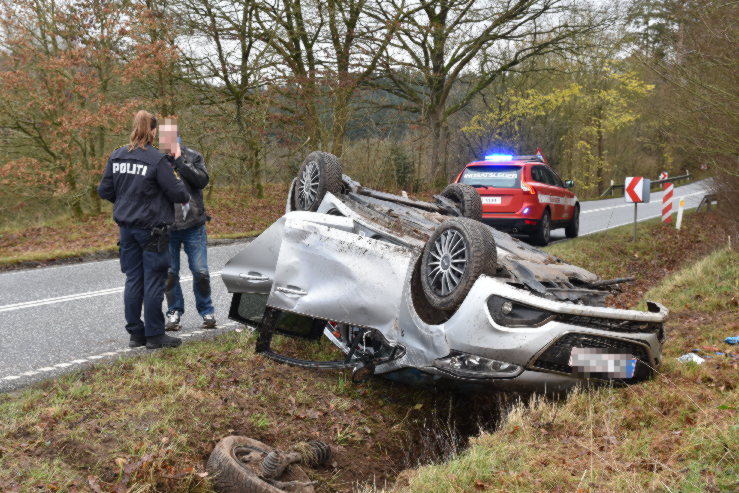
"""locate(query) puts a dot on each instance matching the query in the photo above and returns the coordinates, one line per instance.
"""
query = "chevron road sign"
(636, 190)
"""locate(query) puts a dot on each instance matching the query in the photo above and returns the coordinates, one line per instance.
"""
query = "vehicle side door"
(544, 189)
(566, 202)
(327, 271)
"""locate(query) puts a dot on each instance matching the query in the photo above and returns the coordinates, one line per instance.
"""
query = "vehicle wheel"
(235, 464)
(543, 230)
(573, 227)
(466, 198)
(458, 252)
(319, 173)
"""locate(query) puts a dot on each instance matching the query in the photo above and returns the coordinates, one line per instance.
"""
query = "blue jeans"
(146, 272)
(195, 242)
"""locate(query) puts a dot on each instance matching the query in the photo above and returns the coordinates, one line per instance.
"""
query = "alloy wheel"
(447, 262)
(308, 185)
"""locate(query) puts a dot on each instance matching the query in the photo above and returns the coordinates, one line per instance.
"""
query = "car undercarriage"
(424, 292)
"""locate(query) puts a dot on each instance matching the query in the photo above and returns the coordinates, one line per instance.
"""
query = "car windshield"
(497, 176)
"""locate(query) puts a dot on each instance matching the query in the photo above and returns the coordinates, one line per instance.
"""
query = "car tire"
(456, 254)
(572, 230)
(230, 475)
(467, 199)
(319, 173)
(543, 230)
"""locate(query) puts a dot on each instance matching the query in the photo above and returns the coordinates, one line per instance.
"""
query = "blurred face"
(167, 137)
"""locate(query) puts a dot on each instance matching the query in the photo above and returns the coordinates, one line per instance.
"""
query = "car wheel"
(573, 227)
(234, 466)
(543, 230)
(319, 173)
(458, 252)
(467, 199)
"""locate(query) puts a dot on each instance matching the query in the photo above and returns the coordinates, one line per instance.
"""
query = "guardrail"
(686, 176)
(708, 200)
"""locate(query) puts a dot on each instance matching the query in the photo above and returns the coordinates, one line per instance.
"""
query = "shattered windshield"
(492, 176)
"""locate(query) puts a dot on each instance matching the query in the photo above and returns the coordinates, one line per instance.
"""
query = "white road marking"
(74, 297)
(97, 356)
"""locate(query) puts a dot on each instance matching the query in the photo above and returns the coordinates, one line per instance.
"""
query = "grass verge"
(677, 432)
(149, 423)
(235, 214)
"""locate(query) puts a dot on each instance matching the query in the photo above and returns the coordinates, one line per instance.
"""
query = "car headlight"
(511, 313)
(470, 365)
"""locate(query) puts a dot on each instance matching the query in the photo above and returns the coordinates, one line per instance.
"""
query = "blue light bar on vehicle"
(499, 158)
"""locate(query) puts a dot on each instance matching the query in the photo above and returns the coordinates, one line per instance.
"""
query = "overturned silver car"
(425, 293)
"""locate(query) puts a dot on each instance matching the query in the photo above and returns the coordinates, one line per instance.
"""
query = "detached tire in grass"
(467, 199)
(319, 173)
(458, 252)
(234, 464)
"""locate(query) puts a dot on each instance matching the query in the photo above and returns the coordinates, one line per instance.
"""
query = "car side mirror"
(569, 183)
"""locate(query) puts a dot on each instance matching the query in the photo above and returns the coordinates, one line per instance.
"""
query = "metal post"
(635, 221)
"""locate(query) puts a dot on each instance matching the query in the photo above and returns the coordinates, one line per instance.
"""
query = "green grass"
(677, 432)
(158, 416)
(711, 284)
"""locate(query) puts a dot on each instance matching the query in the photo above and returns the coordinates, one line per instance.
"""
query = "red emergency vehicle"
(523, 194)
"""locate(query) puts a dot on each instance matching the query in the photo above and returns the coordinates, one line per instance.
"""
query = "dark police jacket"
(142, 186)
(191, 167)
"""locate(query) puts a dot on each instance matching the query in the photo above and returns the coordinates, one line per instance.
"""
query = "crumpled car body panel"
(352, 262)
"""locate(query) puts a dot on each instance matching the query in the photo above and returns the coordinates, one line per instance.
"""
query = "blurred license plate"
(594, 360)
(491, 200)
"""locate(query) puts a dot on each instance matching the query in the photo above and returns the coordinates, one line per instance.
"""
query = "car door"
(545, 190)
(556, 195)
(327, 271)
(566, 202)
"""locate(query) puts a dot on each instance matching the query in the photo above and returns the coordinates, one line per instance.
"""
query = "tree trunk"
(436, 145)
(94, 199)
(341, 119)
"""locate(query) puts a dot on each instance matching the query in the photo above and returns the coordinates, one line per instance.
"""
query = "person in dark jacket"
(143, 187)
(188, 230)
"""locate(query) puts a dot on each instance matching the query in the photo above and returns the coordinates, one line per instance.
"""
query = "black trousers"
(146, 273)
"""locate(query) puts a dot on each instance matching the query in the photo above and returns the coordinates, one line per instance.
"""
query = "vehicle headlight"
(474, 366)
(511, 313)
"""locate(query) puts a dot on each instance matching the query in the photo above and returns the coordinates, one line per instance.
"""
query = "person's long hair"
(143, 123)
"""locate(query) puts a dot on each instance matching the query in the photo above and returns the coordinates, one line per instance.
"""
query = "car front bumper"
(543, 352)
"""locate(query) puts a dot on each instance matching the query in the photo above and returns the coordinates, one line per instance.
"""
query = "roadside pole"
(636, 189)
(635, 221)
(679, 221)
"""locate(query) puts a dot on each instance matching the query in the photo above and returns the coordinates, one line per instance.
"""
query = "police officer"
(142, 185)
(188, 230)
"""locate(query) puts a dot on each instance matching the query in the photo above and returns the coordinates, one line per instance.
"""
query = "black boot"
(136, 341)
(163, 340)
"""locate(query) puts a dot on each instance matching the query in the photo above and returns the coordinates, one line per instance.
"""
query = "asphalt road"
(58, 319)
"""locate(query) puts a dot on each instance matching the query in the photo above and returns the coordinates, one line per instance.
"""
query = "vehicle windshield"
(494, 176)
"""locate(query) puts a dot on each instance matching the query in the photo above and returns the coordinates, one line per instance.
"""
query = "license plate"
(491, 200)
(591, 360)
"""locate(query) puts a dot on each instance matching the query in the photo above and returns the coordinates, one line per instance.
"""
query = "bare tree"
(228, 60)
(327, 50)
(448, 51)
